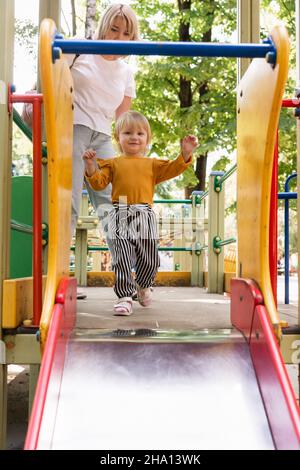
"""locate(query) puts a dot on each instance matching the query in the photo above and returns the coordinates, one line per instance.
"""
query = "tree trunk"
(74, 29)
(185, 93)
(185, 86)
(200, 171)
(90, 19)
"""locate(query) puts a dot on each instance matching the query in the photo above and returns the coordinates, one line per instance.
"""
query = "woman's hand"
(90, 162)
(188, 145)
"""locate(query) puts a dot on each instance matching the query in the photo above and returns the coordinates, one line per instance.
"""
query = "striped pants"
(133, 235)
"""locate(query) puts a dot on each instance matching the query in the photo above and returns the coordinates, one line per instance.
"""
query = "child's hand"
(90, 162)
(188, 145)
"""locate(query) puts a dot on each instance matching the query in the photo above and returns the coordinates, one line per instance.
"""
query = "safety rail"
(27, 130)
(265, 50)
(286, 196)
(196, 223)
(36, 100)
(20, 227)
(218, 243)
(172, 201)
(160, 248)
(86, 222)
(221, 179)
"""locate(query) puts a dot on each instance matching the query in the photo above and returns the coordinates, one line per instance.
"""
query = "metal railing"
(286, 196)
(36, 100)
(265, 50)
(198, 225)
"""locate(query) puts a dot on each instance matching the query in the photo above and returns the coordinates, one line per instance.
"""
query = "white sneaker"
(123, 306)
(144, 295)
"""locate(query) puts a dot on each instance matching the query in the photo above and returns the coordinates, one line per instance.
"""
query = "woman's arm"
(124, 106)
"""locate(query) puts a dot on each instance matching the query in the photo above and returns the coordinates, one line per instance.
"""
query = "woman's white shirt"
(100, 86)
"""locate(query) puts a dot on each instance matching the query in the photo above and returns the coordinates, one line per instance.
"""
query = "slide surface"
(153, 395)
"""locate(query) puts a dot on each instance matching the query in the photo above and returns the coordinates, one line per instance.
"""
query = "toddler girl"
(132, 222)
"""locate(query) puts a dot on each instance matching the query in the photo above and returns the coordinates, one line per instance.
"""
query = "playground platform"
(178, 308)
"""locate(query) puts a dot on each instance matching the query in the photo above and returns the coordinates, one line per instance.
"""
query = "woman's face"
(118, 31)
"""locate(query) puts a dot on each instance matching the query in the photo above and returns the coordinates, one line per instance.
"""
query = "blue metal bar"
(287, 195)
(160, 248)
(287, 236)
(180, 49)
(172, 201)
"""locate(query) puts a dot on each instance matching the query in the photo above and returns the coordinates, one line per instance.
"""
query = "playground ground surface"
(18, 376)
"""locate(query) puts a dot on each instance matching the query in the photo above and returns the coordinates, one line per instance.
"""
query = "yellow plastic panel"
(260, 94)
(18, 301)
(57, 89)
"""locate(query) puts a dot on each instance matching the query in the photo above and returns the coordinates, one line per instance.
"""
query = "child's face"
(133, 141)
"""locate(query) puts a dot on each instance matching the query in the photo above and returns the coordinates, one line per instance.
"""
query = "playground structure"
(253, 310)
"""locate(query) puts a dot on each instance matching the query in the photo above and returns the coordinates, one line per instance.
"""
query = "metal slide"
(212, 390)
(117, 394)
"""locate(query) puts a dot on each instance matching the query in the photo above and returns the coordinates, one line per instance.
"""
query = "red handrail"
(273, 227)
(291, 103)
(36, 99)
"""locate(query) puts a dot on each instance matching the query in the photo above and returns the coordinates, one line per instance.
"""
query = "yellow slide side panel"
(57, 88)
(260, 94)
(17, 304)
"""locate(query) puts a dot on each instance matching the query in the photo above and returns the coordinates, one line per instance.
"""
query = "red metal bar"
(273, 228)
(48, 367)
(245, 296)
(36, 99)
(274, 383)
(62, 323)
(249, 315)
(291, 103)
(37, 210)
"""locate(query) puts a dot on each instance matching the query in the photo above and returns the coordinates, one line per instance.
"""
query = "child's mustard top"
(134, 178)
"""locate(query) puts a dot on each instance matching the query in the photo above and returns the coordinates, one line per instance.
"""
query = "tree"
(90, 19)
(287, 125)
(26, 34)
(74, 26)
(194, 95)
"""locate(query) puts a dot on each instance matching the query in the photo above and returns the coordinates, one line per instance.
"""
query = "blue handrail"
(180, 49)
(287, 195)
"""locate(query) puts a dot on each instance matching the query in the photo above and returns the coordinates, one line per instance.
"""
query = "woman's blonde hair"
(111, 13)
(132, 119)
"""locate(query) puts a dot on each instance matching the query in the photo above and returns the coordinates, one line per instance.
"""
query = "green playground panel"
(21, 242)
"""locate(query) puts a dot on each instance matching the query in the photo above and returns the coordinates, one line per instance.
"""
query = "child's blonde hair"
(132, 119)
(114, 11)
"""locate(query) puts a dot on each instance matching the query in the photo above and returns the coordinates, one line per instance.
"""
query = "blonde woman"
(104, 88)
(132, 222)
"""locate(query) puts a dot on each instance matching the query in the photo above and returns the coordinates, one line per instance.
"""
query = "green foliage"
(21, 152)
(211, 117)
(26, 34)
(285, 11)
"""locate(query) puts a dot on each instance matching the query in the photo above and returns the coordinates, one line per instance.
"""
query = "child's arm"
(97, 178)
(188, 145)
(166, 170)
(90, 162)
